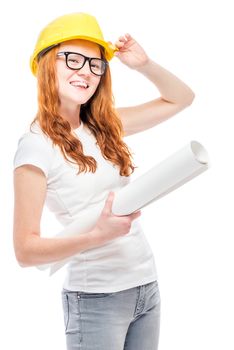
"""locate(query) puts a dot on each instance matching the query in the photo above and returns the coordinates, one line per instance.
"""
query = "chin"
(81, 101)
(76, 101)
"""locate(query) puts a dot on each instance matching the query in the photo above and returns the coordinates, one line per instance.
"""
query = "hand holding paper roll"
(161, 179)
(110, 226)
(100, 226)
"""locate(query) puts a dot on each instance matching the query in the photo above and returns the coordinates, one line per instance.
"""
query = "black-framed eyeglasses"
(76, 61)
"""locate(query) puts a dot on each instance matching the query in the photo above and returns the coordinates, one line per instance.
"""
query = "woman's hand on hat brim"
(130, 52)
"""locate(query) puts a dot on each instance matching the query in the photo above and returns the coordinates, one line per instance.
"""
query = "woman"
(73, 158)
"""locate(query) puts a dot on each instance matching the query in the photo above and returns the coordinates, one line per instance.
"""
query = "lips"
(79, 83)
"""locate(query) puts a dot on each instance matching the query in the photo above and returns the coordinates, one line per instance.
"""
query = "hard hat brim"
(109, 48)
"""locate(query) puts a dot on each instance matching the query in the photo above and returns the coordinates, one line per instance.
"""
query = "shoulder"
(35, 136)
(34, 148)
(35, 141)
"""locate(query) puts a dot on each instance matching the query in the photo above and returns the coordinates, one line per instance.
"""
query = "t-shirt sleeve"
(34, 149)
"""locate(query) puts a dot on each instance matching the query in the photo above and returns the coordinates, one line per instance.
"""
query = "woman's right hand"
(110, 226)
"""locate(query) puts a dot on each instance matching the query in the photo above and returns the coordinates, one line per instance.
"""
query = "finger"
(108, 203)
(128, 36)
(119, 44)
(135, 215)
(122, 38)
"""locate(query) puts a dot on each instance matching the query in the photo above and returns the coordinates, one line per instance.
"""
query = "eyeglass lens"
(76, 61)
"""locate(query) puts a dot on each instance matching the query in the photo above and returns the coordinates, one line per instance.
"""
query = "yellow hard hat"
(71, 26)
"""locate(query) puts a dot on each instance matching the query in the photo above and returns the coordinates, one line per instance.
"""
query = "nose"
(85, 69)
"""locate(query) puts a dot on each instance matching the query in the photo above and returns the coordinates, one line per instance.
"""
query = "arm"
(175, 94)
(31, 249)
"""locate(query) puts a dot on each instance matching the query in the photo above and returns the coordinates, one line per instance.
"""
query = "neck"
(71, 113)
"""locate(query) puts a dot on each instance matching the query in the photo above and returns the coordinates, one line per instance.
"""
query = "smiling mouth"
(79, 84)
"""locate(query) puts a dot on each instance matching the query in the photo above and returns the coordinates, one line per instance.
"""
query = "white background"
(191, 229)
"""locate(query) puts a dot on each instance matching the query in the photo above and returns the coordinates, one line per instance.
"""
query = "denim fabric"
(125, 320)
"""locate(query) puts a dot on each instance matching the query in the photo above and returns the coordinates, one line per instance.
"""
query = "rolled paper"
(171, 173)
(163, 178)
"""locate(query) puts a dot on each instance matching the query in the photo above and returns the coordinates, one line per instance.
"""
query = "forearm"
(38, 251)
(171, 88)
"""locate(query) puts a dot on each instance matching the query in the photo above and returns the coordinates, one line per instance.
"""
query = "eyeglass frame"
(86, 58)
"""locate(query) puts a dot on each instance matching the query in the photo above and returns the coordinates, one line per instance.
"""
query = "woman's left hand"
(130, 52)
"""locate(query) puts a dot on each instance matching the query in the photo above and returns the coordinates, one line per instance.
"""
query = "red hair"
(98, 114)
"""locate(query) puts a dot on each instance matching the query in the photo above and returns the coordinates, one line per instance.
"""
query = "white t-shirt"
(124, 262)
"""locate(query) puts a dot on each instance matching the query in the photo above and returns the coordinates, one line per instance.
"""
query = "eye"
(73, 60)
(95, 65)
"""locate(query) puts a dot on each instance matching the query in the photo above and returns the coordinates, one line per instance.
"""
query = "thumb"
(111, 45)
(135, 215)
(116, 53)
(108, 204)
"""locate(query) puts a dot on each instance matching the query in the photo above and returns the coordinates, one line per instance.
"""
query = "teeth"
(79, 83)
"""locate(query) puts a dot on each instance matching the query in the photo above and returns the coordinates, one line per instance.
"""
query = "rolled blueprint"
(171, 173)
(163, 178)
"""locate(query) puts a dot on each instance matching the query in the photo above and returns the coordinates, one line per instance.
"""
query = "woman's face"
(76, 86)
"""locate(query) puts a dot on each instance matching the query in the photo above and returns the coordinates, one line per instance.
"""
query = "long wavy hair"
(98, 114)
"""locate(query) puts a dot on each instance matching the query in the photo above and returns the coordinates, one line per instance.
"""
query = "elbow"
(22, 264)
(22, 257)
(187, 101)
(189, 98)
(24, 248)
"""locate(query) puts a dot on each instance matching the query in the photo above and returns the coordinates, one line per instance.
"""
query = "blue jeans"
(125, 320)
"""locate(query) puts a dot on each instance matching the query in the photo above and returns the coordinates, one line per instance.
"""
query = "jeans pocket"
(65, 303)
(87, 295)
(157, 291)
(72, 316)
